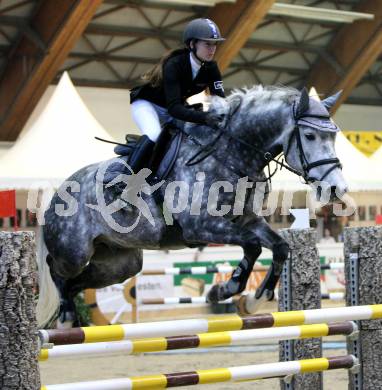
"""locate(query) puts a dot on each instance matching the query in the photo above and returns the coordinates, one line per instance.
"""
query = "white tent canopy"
(58, 143)
(358, 170)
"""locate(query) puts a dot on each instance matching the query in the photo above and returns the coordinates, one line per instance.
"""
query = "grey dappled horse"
(260, 123)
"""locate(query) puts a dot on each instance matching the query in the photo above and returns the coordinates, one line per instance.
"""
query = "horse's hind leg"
(108, 265)
(67, 314)
(62, 269)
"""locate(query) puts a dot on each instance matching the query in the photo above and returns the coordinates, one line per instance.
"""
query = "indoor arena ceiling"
(331, 44)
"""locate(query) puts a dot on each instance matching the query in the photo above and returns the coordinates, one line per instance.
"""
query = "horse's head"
(309, 148)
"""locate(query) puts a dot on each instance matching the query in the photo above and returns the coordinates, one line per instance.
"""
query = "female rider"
(179, 75)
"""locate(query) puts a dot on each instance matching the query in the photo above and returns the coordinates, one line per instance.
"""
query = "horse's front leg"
(238, 281)
(223, 231)
(280, 252)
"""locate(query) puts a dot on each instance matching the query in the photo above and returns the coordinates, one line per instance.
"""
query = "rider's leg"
(148, 118)
(141, 155)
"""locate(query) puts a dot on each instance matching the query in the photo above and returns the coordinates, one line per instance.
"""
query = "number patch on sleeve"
(218, 85)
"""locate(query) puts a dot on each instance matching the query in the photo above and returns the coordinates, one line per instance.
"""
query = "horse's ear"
(303, 104)
(331, 100)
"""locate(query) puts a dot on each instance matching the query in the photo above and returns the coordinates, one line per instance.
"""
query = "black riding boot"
(141, 155)
(140, 158)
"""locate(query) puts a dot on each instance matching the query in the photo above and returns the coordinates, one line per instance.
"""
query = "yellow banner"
(365, 141)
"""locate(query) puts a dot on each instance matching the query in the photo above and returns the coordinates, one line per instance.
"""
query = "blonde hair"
(154, 76)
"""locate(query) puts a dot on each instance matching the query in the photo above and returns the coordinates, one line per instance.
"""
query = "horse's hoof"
(249, 304)
(65, 320)
(270, 294)
(216, 294)
(64, 325)
(253, 306)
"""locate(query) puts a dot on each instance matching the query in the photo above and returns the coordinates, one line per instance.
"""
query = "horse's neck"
(266, 133)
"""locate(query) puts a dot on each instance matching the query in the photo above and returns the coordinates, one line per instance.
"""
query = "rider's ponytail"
(154, 76)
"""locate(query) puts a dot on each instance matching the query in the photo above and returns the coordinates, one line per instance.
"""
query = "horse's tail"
(48, 298)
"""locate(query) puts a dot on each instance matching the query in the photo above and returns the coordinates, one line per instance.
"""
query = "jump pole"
(221, 269)
(220, 323)
(200, 377)
(203, 340)
(337, 296)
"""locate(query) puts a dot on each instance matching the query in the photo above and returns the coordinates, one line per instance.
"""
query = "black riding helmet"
(203, 29)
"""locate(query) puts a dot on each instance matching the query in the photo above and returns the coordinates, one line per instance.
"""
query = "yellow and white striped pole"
(213, 324)
(202, 377)
(204, 340)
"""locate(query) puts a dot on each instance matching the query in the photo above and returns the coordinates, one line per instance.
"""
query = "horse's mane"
(257, 95)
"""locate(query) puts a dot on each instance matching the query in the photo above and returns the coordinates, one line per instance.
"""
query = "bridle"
(306, 165)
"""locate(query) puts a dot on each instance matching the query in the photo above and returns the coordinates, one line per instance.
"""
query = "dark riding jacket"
(178, 85)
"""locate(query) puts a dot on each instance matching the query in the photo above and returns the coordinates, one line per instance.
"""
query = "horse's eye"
(310, 137)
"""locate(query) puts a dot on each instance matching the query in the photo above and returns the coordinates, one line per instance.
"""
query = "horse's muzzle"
(331, 194)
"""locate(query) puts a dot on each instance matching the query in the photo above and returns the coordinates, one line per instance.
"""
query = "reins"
(210, 148)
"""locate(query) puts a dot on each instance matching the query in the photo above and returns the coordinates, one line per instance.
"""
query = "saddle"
(162, 159)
